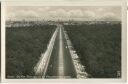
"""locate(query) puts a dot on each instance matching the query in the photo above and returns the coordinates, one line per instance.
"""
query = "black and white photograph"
(63, 41)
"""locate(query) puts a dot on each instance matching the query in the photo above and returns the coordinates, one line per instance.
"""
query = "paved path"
(60, 65)
(61, 58)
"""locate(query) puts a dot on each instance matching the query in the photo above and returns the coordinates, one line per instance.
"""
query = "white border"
(91, 80)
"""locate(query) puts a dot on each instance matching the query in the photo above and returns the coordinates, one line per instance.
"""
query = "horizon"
(64, 13)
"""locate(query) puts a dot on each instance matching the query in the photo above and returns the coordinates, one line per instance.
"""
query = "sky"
(79, 13)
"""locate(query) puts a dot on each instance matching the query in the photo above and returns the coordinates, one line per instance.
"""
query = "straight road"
(60, 64)
(61, 56)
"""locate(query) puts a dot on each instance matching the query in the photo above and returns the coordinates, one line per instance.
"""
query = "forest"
(24, 46)
(98, 47)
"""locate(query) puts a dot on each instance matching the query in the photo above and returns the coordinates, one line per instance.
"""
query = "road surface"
(60, 64)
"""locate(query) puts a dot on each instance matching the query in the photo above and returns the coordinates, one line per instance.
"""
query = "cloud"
(63, 13)
(90, 14)
(59, 13)
(110, 16)
(43, 9)
(75, 14)
(100, 9)
(23, 14)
